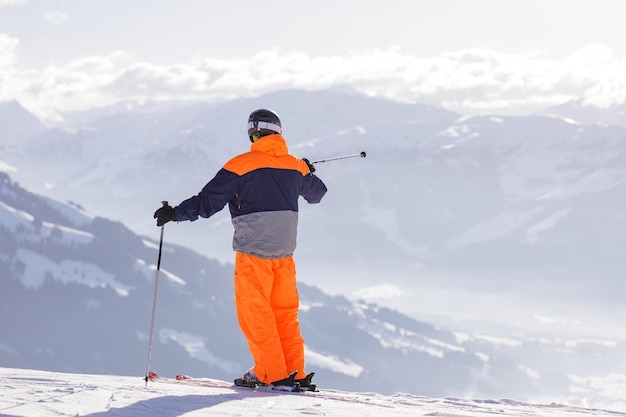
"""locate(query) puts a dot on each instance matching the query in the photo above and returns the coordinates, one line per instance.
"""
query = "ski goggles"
(257, 125)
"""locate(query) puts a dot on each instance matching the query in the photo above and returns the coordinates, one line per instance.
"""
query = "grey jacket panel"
(267, 234)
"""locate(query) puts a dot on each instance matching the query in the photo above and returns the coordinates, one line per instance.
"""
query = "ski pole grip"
(165, 203)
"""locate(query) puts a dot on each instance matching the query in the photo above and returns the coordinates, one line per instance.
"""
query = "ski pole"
(361, 154)
(156, 292)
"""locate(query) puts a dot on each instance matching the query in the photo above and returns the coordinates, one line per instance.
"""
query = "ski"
(213, 383)
(185, 379)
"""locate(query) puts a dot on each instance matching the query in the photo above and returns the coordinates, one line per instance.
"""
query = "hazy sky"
(474, 56)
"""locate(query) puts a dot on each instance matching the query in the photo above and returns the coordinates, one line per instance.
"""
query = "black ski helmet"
(263, 122)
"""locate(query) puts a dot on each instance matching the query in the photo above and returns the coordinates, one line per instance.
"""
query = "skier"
(262, 188)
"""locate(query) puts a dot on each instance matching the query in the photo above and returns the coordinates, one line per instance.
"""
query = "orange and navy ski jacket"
(261, 188)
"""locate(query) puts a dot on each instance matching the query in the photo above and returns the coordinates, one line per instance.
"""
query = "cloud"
(8, 60)
(378, 292)
(55, 17)
(8, 45)
(471, 81)
(10, 2)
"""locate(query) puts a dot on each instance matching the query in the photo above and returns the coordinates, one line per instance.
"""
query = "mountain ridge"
(439, 197)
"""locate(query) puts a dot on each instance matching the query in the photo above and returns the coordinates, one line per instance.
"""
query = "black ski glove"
(164, 214)
(310, 165)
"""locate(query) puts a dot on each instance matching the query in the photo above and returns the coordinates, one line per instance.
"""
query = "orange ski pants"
(267, 302)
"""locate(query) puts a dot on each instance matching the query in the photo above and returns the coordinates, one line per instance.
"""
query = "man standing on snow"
(262, 188)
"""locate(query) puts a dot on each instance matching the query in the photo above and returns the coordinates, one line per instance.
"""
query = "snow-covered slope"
(47, 394)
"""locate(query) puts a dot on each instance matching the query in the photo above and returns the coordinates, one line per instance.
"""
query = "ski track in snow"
(51, 394)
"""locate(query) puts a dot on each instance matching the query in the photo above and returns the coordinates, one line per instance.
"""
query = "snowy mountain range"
(459, 217)
(460, 222)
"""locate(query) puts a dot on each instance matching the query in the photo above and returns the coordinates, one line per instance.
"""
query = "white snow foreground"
(51, 394)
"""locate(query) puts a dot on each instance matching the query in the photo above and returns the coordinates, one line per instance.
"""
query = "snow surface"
(49, 394)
